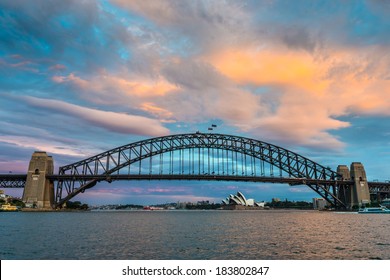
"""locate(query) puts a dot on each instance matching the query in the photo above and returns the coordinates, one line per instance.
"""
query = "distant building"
(183, 205)
(261, 204)
(203, 202)
(239, 199)
(3, 195)
(319, 203)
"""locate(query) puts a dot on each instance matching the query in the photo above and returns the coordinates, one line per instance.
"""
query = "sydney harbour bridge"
(194, 156)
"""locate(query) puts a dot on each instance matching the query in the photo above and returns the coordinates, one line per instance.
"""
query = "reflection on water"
(270, 234)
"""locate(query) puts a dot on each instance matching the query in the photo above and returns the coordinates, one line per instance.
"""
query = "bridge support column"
(345, 193)
(358, 194)
(344, 171)
(360, 191)
(39, 191)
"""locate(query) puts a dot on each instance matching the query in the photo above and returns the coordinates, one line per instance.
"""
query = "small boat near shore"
(374, 210)
(8, 208)
(152, 208)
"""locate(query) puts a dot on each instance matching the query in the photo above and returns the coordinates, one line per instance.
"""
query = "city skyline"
(83, 77)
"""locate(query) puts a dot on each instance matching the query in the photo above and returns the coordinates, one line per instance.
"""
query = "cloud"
(142, 190)
(270, 67)
(162, 114)
(111, 121)
(360, 81)
(28, 137)
(303, 189)
(57, 67)
(137, 93)
(106, 84)
(205, 94)
(13, 166)
(309, 92)
(299, 38)
(74, 33)
(13, 64)
(42, 145)
(285, 72)
(195, 26)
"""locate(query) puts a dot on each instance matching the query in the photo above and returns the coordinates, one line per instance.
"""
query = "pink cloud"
(112, 121)
(15, 166)
(57, 67)
(41, 144)
(164, 190)
(161, 113)
(141, 190)
(106, 83)
(24, 65)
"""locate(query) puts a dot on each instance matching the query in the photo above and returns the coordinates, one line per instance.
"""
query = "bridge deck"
(202, 177)
(19, 180)
(12, 180)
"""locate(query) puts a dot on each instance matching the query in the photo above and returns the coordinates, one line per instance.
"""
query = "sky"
(81, 77)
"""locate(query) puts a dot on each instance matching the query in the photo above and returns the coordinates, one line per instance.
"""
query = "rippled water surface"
(274, 234)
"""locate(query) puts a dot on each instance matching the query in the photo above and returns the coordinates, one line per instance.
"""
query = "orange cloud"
(109, 83)
(142, 88)
(359, 82)
(369, 98)
(72, 79)
(163, 114)
(271, 67)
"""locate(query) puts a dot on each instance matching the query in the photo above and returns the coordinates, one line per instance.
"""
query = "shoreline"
(51, 210)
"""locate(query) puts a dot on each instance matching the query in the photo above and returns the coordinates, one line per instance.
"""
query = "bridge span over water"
(194, 156)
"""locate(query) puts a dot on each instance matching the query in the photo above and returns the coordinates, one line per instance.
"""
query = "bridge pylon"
(360, 189)
(39, 191)
(359, 193)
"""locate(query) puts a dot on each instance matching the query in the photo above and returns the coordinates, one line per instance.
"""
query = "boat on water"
(374, 210)
(8, 207)
(153, 208)
(385, 202)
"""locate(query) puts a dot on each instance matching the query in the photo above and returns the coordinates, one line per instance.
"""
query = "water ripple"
(194, 235)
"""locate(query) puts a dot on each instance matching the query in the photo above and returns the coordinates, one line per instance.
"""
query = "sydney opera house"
(239, 201)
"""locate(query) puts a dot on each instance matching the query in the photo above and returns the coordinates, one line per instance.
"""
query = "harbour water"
(273, 234)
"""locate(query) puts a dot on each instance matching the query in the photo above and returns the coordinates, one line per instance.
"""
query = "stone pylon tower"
(345, 193)
(39, 191)
(359, 193)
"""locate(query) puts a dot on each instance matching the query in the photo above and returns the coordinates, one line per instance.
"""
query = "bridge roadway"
(19, 180)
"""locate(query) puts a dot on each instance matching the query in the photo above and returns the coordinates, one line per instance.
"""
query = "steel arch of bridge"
(86, 173)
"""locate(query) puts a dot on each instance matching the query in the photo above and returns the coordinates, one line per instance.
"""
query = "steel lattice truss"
(12, 180)
(196, 156)
(379, 187)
